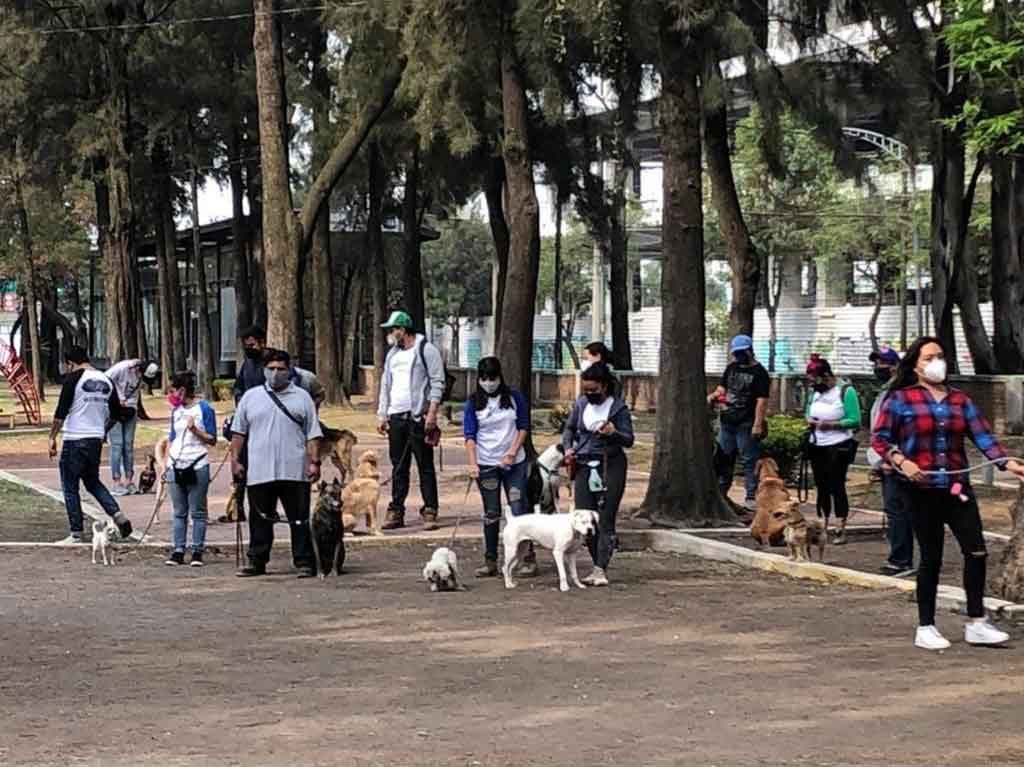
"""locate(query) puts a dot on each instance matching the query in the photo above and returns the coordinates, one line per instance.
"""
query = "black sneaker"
(197, 559)
(125, 529)
(176, 558)
(251, 571)
(306, 572)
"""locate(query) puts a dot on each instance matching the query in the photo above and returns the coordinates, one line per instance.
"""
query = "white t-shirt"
(84, 404)
(401, 381)
(186, 446)
(828, 406)
(127, 377)
(595, 416)
(496, 433)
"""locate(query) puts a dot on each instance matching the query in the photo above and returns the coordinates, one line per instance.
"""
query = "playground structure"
(19, 378)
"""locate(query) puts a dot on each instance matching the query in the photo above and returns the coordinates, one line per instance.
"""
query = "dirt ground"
(680, 663)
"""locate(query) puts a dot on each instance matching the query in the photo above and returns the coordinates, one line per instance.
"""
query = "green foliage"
(577, 263)
(986, 40)
(457, 272)
(783, 443)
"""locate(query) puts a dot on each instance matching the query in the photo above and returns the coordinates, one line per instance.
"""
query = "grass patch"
(26, 515)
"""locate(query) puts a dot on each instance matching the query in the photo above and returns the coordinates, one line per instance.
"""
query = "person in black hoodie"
(597, 432)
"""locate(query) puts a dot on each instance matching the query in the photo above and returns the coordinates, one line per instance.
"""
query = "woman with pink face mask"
(920, 432)
(193, 430)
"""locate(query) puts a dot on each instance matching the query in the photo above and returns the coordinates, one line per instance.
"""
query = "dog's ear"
(323, 486)
(336, 482)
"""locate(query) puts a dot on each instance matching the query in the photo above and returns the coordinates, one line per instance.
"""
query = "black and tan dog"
(147, 478)
(327, 531)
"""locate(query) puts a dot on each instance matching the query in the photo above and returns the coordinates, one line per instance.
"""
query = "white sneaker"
(596, 578)
(929, 638)
(71, 540)
(984, 633)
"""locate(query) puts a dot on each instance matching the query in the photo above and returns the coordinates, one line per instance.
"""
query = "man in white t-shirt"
(127, 377)
(411, 389)
(87, 401)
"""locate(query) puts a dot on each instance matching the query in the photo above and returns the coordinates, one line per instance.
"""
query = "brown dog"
(337, 445)
(772, 502)
(362, 495)
(801, 534)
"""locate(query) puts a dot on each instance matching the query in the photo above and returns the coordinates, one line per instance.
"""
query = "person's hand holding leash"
(314, 470)
(53, 448)
(607, 428)
(382, 427)
(1016, 468)
(908, 468)
(758, 431)
(237, 470)
(508, 459)
(474, 471)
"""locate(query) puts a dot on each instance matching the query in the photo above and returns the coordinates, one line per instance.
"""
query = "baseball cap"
(398, 320)
(151, 371)
(885, 356)
(740, 342)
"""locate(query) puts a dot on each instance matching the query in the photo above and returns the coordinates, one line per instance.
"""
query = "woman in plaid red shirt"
(920, 432)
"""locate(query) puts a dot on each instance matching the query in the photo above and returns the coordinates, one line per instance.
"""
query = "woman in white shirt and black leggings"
(193, 430)
(495, 423)
(598, 431)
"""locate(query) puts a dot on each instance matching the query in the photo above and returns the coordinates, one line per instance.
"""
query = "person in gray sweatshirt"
(411, 389)
(595, 438)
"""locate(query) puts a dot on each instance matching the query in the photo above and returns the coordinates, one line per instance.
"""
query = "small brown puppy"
(362, 495)
(772, 496)
(801, 534)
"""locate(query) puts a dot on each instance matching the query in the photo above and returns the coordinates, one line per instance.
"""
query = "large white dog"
(562, 533)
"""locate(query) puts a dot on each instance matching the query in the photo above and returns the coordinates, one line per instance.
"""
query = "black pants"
(602, 545)
(931, 511)
(830, 465)
(294, 497)
(406, 441)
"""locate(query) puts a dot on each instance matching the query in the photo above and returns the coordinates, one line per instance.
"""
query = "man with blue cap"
(743, 395)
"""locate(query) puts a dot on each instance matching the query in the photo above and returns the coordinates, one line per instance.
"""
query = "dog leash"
(458, 518)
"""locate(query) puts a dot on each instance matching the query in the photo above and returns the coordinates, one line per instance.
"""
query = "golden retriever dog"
(362, 495)
(801, 534)
(162, 454)
(772, 501)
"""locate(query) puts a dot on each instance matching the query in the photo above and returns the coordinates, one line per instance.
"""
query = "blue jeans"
(189, 502)
(492, 479)
(80, 462)
(122, 449)
(732, 440)
(900, 531)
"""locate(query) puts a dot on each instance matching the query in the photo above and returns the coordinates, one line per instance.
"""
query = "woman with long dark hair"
(921, 432)
(495, 423)
(596, 435)
(833, 413)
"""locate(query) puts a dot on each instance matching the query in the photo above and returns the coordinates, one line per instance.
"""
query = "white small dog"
(442, 571)
(104, 533)
(562, 533)
(550, 463)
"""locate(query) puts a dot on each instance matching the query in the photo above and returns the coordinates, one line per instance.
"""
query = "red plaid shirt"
(931, 433)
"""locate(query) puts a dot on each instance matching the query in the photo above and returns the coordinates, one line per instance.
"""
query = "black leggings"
(602, 545)
(931, 511)
(830, 465)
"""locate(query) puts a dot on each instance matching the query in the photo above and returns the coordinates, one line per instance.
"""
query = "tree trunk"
(876, 311)
(1006, 270)
(326, 340)
(1009, 584)
(743, 260)
(412, 265)
(376, 272)
(515, 344)
(618, 260)
(179, 352)
(254, 194)
(239, 235)
(206, 363)
(682, 490)
(494, 185)
(982, 355)
(558, 285)
(166, 298)
(454, 354)
(29, 272)
(280, 248)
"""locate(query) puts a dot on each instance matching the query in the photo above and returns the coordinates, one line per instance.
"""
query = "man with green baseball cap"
(411, 389)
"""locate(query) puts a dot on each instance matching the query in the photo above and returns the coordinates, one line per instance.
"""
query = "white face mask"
(490, 386)
(935, 371)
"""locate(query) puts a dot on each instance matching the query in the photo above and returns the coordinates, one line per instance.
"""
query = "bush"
(783, 443)
(558, 416)
(222, 389)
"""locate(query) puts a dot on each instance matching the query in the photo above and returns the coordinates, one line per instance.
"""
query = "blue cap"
(739, 343)
(885, 356)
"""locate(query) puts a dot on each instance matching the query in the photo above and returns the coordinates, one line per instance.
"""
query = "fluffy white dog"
(104, 532)
(442, 571)
(550, 463)
(562, 533)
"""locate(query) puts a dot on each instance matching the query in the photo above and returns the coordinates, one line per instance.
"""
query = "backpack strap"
(291, 416)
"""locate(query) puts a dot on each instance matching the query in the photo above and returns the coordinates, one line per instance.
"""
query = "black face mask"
(253, 353)
(595, 398)
(742, 357)
(883, 374)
